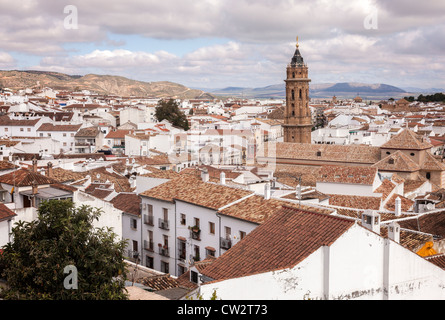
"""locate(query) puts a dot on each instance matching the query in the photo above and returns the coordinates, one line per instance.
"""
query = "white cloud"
(6, 60)
(260, 38)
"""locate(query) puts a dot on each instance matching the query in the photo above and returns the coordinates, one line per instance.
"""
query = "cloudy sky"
(219, 43)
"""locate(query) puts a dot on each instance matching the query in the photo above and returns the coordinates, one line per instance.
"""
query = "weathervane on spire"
(297, 42)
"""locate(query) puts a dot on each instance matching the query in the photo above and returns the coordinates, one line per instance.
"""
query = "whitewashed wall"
(362, 265)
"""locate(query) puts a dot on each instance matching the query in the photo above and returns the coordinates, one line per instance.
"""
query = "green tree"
(169, 110)
(34, 262)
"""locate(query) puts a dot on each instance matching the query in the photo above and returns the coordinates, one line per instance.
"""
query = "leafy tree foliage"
(169, 110)
(33, 262)
(436, 97)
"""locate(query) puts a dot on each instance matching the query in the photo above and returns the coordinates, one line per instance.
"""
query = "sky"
(222, 43)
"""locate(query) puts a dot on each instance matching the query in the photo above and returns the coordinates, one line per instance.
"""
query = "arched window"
(293, 74)
(293, 94)
(300, 94)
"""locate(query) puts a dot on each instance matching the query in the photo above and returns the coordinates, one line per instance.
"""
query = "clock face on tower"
(298, 121)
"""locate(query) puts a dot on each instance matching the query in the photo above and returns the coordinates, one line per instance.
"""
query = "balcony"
(148, 245)
(133, 255)
(148, 220)
(164, 251)
(195, 233)
(181, 255)
(163, 224)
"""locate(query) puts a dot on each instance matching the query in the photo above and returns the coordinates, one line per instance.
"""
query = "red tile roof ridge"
(252, 255)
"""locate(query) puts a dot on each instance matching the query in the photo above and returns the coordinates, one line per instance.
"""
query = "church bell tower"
(297, 116)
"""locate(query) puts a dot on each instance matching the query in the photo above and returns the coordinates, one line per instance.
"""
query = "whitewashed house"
(301, 255)
(62, 133)
(348, 180)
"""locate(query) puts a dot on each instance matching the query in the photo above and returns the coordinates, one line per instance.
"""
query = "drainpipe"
(219, 233)
(326, 271)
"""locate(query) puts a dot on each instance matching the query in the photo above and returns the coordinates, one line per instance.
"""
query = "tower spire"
(297, 42)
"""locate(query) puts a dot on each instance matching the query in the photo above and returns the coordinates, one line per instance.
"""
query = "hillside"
(321, 90)
(102, 84)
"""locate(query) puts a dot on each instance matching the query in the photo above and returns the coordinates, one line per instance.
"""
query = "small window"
(368, 219)
(428, 175)
(318, 153)
(183, 220)
(134, 224)
(211, 228)
(412, 154)
(193, 276)
(387, 152)
(391, 161)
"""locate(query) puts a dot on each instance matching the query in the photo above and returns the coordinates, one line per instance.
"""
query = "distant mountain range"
(101, 84)
(326, 90)
(121, 86)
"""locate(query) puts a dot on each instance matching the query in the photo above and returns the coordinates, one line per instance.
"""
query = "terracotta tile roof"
(397, 161)
(160, 174)
(432, 223)
(413, 241)
(160, 282)
(431, 163)
(213, 172)
(347, 174)
(193, 190)
(153, 160)
(87, 132)
(407, 139)
(24, 177)
(5, 212)
(121, 183)
(63, 187)
(118, 134)
(357, 202)
(128, 203)
(101, 193)
(59, 127)
(385, 188)
(283, 241)
(438, 260)
(406, 203)
(257, 209)
(6, 165)
(6, 121)
(286, 174)
(63, 175)
(323, 152)
(8, 143)
(411, 185)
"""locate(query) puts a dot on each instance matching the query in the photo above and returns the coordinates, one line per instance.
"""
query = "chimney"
(298, 192)
(398, 207)
(205, 175)
(222, 178)
(50, 169)
(394, 231)
(35, 190)
(267, 191)
(34, 165)
(371, 220)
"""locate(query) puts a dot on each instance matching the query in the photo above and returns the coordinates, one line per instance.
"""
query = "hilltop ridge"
(102, 84)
